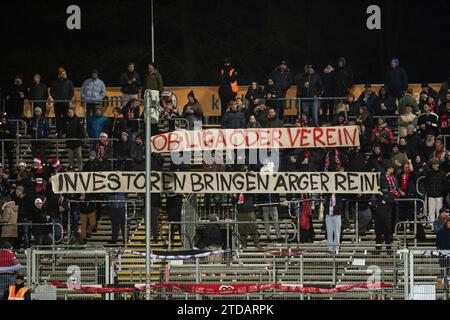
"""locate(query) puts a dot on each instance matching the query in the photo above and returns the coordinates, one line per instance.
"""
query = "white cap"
(38, 200)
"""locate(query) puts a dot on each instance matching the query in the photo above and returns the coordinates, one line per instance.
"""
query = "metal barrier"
(128, 218)
(71, 266)
(416, 217)
(30, 224)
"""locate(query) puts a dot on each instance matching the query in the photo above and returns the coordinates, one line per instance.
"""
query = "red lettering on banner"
(317, 135)
(340, 137)
(208, 139)
(250, 143)
(264, 138)
(293, 142)
(347, 136)
(304, 137)
(276, 141)
(172, 141)
(330, 136)
(155, 144)
(237, 142)
(221, 140)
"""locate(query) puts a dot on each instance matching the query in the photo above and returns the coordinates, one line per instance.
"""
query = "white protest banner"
(277, 138)
(217, 182)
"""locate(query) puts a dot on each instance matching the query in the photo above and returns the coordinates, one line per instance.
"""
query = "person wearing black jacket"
(271, 93)
(117, 124)
(233, 118)
(130, 82)
(15, 97)
(40, 219)
(7, 132)
(309, 85)
(385, 104)
(132, 112)
(436, 189)
(74, 129)
(122, 152)
(138, 154)
(329, 90)
(386, 207)
(282, 78)
(227, 84)
(38, 94)
(62, 92)
(253, 96)
(92, 164)
(333, 208)
(23, 201)
(344, 78)
(245, 204)
(396, 82)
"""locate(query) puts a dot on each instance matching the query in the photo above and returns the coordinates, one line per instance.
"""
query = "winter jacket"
(225, 81)
(14, 102)
(93, 90)
(233, 120)
(375, 163)
(414, 145)
(245, 203)
(344, 79)
(275, 93)
(42, 126)
(339, 206)
(387, 196)
(384, 133)
(97, 125)
(39, 217)
(114, 197)
(132, 116)
(398, 160)
(138, 156)
(54, 202)
(193, 117)
(443, 238)
(436, 184)
(407, 100)
(9, 217)
(271, 123)
(444, 123)
(390, 104)
(213, 235)
(74, 129)
(315, 85)
(283, 80)
(252, 95)
(25, 208)
(433, 128)
(153, 81)
(62, 89)
(329, 83)
(117, 126)
(122, 149)
(7, 131)
(38, 93)
(370, 102)
(396, 81)
(132, 88)
(87, 207)
(91, 166)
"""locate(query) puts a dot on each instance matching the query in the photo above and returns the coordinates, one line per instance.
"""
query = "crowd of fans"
(324, 98)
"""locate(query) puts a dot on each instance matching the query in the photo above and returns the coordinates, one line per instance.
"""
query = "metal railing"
(128, 218)
(53, 225)
(414, 222)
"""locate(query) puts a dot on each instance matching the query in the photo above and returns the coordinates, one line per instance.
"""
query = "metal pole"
(148, 170)
(153, 30)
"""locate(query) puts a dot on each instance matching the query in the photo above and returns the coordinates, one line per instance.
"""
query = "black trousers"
(327, 107)
(61, 109)
(383, 223)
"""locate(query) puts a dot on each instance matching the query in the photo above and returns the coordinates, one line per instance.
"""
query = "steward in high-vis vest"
(17, 291)
(228, 86)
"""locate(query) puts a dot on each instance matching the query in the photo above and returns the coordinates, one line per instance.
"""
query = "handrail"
(31, 224)
(417, 186)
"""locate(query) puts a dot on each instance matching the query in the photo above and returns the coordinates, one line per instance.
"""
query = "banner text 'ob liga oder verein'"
(277, 138)
(217, 182)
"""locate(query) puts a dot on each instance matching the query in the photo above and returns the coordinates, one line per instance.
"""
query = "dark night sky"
(193, 37)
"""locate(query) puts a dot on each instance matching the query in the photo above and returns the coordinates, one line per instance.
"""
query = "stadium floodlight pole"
(148, 170)
(153, 30)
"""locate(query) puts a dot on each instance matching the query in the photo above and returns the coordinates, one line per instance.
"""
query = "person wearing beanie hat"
(39, 129)
(396, 81)
(122, 152)
(62, 91)
(192, 111)
(93, 92)
(39, 218)
(153, 79)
